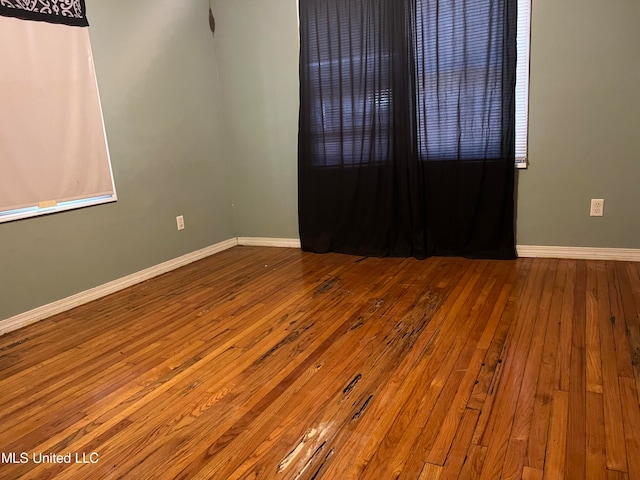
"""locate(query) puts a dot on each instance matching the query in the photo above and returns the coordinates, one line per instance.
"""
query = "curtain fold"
(407, 127)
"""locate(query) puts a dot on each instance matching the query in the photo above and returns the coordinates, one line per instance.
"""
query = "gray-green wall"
(256, 45)
(584, 125)
(169, 151)
(197, 124)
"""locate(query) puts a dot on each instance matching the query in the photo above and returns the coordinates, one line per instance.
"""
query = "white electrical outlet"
(597, 207)
(180, 222)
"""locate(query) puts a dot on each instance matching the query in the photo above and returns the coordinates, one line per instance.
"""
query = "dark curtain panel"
(407, 127)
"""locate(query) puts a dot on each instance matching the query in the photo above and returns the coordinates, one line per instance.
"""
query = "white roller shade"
(52, 142)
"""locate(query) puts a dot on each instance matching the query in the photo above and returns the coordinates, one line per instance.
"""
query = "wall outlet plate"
(597, 207)
(180, 222)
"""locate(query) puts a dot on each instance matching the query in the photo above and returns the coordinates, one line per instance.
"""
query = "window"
(53, 149)
(459, 94)
(438, 136)
(459, 84)
(345, 119)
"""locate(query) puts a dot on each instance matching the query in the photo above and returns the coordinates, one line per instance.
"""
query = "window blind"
(522, 82)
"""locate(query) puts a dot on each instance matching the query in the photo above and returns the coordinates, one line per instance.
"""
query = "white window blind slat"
(522, 82)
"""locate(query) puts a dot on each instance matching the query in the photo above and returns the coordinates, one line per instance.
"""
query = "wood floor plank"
(565, 341)
(626, 286)
(554, 466)
(529, 473)
(440, 449)
(540, 418)
(629, 289)
(596, 462)
(430, 472)
(473, 463)
(521, 427)
(615, 475)
(576, 419)
(517, 303)
(608, 278)
(458, 453)
(492, 359)
(511, 381)
(266, 363)
(592, 334)
(613, 426)
(631, 415)
(633, 273)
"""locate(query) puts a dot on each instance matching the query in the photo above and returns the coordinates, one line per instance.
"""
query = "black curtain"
(407, 127)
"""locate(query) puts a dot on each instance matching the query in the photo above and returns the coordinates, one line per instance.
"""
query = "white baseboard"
(269, 242)
(40, 313)
(579, 253)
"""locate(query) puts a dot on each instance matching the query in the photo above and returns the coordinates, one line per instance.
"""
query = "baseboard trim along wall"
(580, 253)
(525, 251)
(40, 313)
(269, 242)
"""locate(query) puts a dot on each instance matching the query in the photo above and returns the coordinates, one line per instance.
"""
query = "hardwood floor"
(278, 364)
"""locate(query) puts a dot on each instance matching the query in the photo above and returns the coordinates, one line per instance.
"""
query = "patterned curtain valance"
(67, 12)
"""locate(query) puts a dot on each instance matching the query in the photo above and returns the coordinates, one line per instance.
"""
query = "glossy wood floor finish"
(278, 364)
